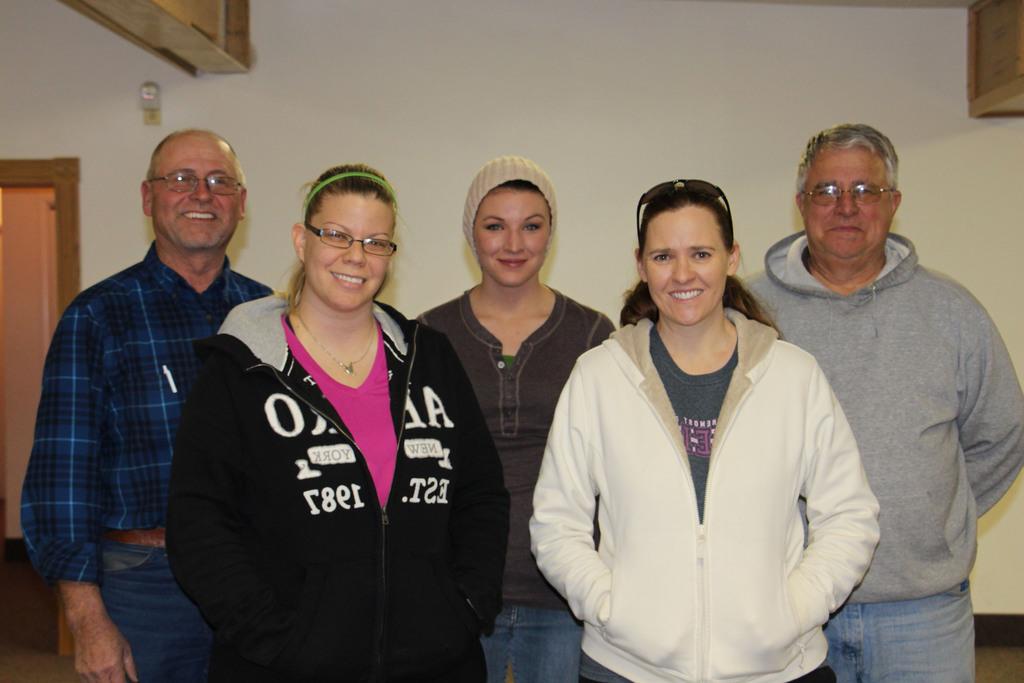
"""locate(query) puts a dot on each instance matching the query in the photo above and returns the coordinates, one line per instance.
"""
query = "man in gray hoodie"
(929, 389)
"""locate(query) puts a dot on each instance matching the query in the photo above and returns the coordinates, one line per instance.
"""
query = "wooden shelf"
(995, 58)
(198, 36)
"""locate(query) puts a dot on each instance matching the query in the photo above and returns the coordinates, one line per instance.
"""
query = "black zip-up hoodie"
(275, 530)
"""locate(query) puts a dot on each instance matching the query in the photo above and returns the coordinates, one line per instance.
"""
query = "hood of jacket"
(256, 324)
(753, 338)
(784, 265)
(631, 347)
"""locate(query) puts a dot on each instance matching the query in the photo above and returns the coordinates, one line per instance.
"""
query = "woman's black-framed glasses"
(333, 237)
(681, 185)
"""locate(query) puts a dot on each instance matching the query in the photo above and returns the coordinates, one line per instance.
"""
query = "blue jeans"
(541, 645)
(170, 641)
(929, 640)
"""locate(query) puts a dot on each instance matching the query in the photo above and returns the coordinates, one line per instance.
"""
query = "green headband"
(349, 174)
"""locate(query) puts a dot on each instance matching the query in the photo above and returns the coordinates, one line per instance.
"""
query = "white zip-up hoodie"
(739, 597)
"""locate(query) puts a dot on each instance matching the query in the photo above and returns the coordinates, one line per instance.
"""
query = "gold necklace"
(349, 368)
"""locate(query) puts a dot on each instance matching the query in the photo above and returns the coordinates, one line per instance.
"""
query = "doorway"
(39, 249)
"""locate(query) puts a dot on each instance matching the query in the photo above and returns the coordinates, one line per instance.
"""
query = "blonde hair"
(346, 184)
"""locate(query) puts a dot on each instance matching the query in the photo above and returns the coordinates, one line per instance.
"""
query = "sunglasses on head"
(702, 187)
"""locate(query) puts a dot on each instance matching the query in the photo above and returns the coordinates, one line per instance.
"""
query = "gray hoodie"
(933, 399)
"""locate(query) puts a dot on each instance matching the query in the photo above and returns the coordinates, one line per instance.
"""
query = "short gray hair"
(848, 136)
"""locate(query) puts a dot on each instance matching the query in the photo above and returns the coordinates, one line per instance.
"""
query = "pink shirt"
(365, 410)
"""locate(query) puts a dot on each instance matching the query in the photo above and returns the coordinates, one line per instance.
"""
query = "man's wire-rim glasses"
(831, 194)
(218, 183)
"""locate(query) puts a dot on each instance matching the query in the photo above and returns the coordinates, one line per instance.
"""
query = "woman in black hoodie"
(336, 507)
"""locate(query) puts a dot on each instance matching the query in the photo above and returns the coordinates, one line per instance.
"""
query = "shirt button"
(501, 365)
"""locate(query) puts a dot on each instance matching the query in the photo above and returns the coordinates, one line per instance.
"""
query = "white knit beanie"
(498, 171)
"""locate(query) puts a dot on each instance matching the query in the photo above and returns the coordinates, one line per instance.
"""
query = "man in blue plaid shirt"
(117, 373)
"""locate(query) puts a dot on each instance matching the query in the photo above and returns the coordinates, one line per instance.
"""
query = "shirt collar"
(174, 283)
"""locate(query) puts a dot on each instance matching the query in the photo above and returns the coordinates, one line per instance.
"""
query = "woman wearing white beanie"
(518, 340)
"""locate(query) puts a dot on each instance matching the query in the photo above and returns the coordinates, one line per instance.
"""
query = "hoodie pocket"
(758, 622)
(798, 600)
(430, 624)
(651, 620)
(333, 624)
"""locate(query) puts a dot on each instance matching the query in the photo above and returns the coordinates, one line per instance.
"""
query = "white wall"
(610, 96)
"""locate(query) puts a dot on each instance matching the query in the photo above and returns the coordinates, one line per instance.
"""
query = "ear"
(241, 202)
(299, 234)
(734, 258)
(801, 206)
(640, 270)
(147, 198)
(896, 198)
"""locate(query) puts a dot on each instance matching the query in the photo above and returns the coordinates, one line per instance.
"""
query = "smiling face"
(847, 233)
(511, 231)
(685, 264)
(197, 222)
(343, 280)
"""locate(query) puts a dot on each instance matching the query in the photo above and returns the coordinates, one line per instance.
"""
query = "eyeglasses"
(333, 237)
(862, 193)
(217, 183)
(681, 185)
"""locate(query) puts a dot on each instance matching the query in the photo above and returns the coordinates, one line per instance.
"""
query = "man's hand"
(102, 655)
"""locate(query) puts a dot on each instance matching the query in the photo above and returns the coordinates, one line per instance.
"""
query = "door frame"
(62, 174)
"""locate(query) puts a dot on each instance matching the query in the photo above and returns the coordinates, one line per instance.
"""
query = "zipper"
(381, 599)
(385, 521)
(703, 617)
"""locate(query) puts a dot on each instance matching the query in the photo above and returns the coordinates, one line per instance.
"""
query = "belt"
(153, 538)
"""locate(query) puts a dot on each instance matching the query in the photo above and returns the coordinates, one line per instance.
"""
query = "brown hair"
(638, 302)
(360, 185)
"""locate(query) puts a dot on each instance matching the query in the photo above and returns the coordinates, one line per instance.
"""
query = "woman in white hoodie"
(692, 434)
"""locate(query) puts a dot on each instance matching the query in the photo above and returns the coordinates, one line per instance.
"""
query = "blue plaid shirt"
(117, 373)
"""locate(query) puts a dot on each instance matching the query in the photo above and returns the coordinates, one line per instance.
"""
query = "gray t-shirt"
(696, 401)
